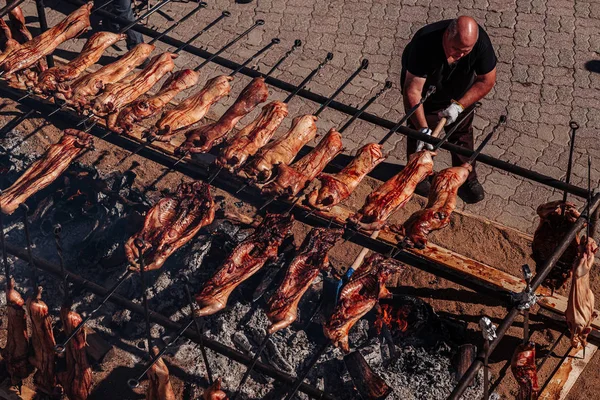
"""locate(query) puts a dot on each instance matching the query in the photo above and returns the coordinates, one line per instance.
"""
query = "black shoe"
(471, 192)
(423, 188)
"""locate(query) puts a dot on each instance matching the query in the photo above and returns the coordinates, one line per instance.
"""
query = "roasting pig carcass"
(30, 52)
(42, 343)
(16, 351)
(92, 51)
(76, 380)
(553, 226)
(524, 370)
(79, 93)
(118, 95)
(159, 385)
(358, 297)
(203, 139)
(214, 392)
(440, 205)
(171, 223)
(282, 308)
(580, 307)
(246, 259)
(394, 193)
(252, 137)
(291, 179)
(142, 109)
(282, 150)
(45, 170)
(191, 110)
(337, 187)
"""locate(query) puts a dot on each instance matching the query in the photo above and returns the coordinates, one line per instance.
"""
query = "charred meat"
(76, 380)
(358, 297)
(524, 370)
(79, 93)
(142, 109)
(16, 351)
(45, 170)
(192, 109)
(42, 343)
(203, 139)
(337, 187)
(117, 95)
(282, 150)
(282, 308)
(394, 193)
(30, 52)
(214, 392)
(159, 385)
(252, 137)
(291, 179)
(246, 259)
(553, 226)
(171, 223)
(92, 51)
(440, 205)
(580, 307)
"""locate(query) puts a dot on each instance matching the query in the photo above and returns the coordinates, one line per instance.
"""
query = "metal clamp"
(527, 298)
(488, 330)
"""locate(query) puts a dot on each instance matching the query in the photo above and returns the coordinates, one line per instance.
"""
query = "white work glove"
(451, 112)
(420, 144)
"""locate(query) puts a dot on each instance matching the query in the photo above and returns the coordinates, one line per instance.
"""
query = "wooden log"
(568, 372)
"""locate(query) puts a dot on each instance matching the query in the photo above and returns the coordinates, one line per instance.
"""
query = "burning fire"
(395, 318)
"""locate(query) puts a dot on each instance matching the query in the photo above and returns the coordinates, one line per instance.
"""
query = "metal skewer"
(353, 118)
(139, 244)
(29, 244)
(4, 257)
(301, 86)
(200, 6)
(16, 121)
(9, 7)
(205, 62)
(257, 355)
(198, 331)
(363, 65)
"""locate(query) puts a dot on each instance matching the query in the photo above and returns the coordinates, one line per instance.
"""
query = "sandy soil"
(505, 249)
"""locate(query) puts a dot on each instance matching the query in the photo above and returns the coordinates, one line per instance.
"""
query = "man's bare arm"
(482, 86)
(412, 93)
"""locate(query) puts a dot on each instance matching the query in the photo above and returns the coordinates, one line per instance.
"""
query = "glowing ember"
(395, 318)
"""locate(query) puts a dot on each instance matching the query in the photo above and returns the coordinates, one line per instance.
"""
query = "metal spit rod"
(4, 257)
(200, 6)
(41, 12)
(198, 327)
(259, 22)
(8, 8)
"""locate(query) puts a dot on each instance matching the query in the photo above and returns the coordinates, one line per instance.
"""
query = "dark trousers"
(463, 136)
(123, 9)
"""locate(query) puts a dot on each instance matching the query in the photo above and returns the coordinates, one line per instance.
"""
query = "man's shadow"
(593, 66)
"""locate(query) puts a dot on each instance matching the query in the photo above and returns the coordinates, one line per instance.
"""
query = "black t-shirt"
(424, 56)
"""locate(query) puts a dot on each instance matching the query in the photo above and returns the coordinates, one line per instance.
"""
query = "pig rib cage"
(361, 239)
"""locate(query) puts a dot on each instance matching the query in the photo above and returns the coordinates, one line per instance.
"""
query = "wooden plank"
(568, 372)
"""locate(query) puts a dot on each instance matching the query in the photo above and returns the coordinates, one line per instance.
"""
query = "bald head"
(460, 37)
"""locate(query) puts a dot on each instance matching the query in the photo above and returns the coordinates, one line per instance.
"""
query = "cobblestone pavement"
(542, 45)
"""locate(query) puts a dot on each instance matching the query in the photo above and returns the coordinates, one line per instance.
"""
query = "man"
(457, 57)
(123, 9)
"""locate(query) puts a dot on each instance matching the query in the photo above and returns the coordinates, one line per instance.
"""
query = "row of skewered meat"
(25, 351)
(114, 92)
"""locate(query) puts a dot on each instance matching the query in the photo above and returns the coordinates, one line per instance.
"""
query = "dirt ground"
(503, 248)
